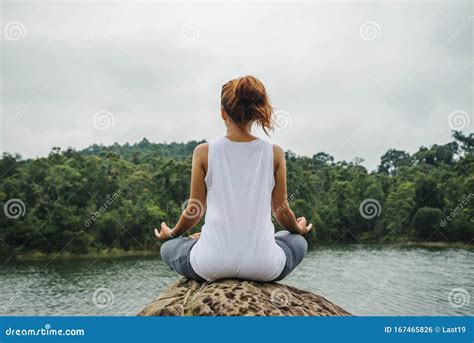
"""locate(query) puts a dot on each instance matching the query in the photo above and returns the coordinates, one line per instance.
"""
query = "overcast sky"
(349, 79)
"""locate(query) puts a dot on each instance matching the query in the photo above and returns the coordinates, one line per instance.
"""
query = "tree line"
(104, 197)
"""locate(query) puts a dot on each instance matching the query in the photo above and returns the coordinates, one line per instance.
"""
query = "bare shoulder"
(278, 152)
(200, 152)
(278, 155)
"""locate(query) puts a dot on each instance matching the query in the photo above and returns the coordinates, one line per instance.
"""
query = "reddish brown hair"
(245, 99)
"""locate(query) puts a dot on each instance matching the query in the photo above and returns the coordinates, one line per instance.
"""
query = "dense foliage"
(112, 197)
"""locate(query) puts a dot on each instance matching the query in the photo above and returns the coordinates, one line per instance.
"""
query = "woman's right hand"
(304, 229)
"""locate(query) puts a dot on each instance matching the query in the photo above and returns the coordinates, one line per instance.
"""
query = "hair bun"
(250, 89)
(245, 99)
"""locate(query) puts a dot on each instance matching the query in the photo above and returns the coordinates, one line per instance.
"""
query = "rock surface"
(239, 298)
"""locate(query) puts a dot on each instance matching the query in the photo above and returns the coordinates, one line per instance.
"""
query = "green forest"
(106, 198)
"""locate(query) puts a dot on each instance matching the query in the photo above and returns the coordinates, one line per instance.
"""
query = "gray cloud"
(347, 96)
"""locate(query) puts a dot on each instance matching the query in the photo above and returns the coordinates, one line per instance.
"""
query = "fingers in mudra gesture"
(164, 233)
(302, 224)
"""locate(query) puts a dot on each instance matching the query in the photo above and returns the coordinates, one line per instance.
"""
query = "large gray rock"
(239, 298)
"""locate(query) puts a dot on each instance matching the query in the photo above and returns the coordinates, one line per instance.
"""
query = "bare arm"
(196, 206)
(280, 205)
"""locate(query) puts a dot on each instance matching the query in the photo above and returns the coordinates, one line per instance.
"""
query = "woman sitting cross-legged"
(238, 181)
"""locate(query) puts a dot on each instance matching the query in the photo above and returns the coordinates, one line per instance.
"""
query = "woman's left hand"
(196, 235)
(164, 233)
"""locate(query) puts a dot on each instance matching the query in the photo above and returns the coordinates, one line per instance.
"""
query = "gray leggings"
(176, 253)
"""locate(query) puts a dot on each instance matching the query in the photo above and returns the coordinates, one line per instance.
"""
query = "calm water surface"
(363, 280)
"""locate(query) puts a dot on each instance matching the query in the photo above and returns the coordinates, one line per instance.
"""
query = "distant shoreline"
(113, 253)
(119, 253)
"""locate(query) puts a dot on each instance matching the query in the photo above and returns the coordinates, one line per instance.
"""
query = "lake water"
(363, 280)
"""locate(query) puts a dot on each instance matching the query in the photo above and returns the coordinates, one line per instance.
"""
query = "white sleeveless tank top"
(238, 237)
